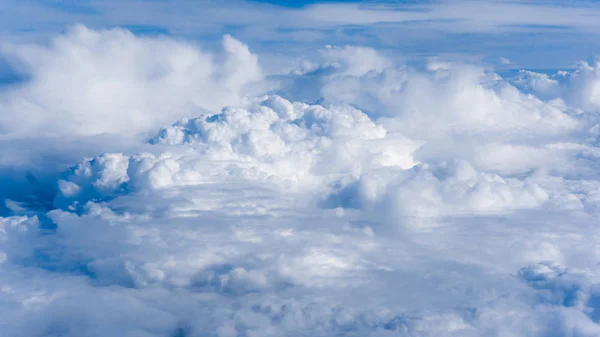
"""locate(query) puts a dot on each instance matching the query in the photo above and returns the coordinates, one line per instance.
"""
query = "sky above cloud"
(557, 33)
(299, 168)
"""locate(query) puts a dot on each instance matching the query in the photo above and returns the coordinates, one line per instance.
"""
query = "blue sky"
(533, 34)
(293, 3)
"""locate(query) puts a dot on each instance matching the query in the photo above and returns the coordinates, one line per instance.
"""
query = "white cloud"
(442, 201)
(464, 27)
(89, 82)
(462, 16)
(579, 87)
(355, 61)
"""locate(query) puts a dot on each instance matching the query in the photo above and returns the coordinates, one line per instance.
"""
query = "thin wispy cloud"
(387, 24)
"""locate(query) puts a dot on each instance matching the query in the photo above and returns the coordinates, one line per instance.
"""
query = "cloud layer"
(154, 189)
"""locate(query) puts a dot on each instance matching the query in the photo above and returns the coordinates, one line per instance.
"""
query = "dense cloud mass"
(90, 82)
(154, 189)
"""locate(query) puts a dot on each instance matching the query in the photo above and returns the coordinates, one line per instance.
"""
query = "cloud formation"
(90, 82)
(162, 190)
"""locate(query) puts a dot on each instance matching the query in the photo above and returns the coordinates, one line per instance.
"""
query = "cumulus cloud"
(457, 111)
(579, 87)
(468, 99)
(90, 82)
(442, 200)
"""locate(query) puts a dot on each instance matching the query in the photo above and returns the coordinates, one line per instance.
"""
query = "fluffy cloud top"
(580, 88)
(89, 82)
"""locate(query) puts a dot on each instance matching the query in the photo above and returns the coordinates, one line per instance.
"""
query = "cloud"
(272, 141)
(463, 16)
(85, 84)
(465, 27)
(90, 82)
(157, 190)
(578, 87)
